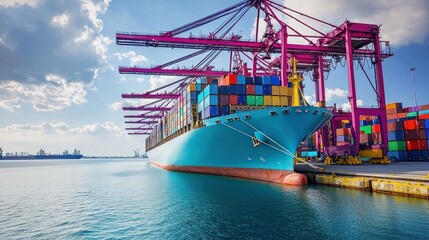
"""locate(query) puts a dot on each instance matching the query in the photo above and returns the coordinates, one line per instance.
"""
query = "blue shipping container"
(365, 123)
(241, 100)
(224, 110)
(213, 88)
(223, 90)
(198, 88)
(241, 89)
(201, 80)
(232, 89)
(266, 80)
(257, 80)
(275, 80)
(414, 155)
(214, 111)
(396, 136)
(376, 121)
(200, 97)
(427, 123)
(241, 79)
(267, 90)
(249, 80)
(215, 81)
(425, 155)
(398, 155)
(213, 100)
(259, 90)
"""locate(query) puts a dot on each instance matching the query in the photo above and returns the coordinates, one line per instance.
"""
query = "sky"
(59, 83)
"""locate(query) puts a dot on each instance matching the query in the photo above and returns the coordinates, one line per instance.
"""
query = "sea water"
(130, 199)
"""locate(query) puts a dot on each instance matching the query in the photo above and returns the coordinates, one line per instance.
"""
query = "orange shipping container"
(393, 105)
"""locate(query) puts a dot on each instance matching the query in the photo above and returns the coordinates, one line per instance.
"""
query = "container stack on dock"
(343, 132)
(408, 132)
(210, 97)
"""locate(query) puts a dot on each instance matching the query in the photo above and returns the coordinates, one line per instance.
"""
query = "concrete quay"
(402, 178)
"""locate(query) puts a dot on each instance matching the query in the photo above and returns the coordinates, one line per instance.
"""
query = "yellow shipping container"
(276, 101)
(268, 100)
(275, 90)
(192, 87)
(289, 92)
(393, 105)
(283, 90)
(283, 101)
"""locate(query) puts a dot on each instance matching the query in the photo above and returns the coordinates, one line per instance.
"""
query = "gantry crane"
(271, 55)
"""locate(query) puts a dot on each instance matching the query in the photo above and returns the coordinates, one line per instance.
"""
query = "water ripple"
(129, 199)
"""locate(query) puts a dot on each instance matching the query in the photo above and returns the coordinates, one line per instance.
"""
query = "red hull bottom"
(277, 176)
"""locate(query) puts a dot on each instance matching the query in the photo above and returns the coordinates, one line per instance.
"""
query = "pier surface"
(411, 171)
(404, 178)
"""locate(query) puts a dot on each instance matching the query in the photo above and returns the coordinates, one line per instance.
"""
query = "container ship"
(41, 155)
(248, 127)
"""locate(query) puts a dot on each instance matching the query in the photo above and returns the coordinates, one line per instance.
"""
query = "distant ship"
(41, 155)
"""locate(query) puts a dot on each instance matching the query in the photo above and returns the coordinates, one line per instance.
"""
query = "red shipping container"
(250, 89)
(376, 128)
(423, 144)
(424, 116)
(413, 145)
(410, 124)
(421, 124)
(230, 79)
(417, 145)
(233, 99)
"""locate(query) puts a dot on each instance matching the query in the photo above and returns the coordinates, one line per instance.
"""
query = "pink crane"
(350, 41)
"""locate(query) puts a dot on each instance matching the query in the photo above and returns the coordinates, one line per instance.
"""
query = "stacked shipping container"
(408, 132)
(208, 98)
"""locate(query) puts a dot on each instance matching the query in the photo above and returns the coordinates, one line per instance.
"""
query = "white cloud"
(329, 93)
(403, 22)
(101, 43)
(347, 107)
(262, 26)
(159, 81)
(60, 20)
(311, 100)
(133, 57)
(85, 35)
(13, 3)
(116, 106)
(77, 54)
(57, 93)
(61, 128)
(93, 9)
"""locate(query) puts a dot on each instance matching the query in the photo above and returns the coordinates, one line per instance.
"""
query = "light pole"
(412, 69)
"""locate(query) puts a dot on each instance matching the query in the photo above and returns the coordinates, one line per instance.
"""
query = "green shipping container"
(412, 114)
(259, 100)
(397, 146)
(366, 129)
(251, 101)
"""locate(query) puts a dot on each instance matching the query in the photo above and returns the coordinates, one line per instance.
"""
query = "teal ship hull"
(226, 145)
